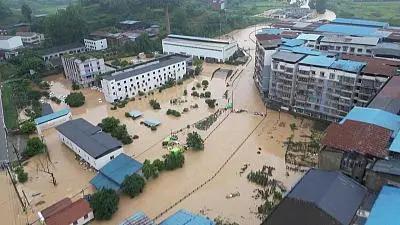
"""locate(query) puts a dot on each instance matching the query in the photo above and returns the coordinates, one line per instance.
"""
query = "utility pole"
(15, 188)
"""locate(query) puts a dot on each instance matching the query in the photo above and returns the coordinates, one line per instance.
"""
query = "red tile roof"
(376, 66)
(364, 138)
(56, 207)
(69, 213)
(267, 37)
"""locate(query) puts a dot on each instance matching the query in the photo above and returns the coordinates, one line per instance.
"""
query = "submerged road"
(3, 138)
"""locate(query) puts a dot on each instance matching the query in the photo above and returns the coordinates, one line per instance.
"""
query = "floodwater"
(233, 140)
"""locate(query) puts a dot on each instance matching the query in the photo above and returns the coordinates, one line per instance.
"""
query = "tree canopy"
(320, 6)
(113, 126)
(28, 127)
(194, 141)
(26, 11)
(133, 185)
(75, 99)
(104, 204)
(174, 160)
(34, 146)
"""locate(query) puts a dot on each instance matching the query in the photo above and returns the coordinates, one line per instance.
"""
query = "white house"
(52, 120)
(203, 48)
(89, 142)
(10, 43)
(95, 44)
(30, 38)
(66, 212)
(83, 70)
(144, 77)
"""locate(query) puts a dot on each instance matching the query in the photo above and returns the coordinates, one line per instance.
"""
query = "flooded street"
(233, 140)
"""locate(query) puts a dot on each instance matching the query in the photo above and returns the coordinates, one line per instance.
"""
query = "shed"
(183, 217)
(138, 218)
(151, 122)
(112, 175)
(135, 114)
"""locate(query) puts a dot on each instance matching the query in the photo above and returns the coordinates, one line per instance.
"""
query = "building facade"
(52, 120)
(143, 78)
(211, 50)
(95, 44)
(58, 51)
(83, 72)
(31, 38)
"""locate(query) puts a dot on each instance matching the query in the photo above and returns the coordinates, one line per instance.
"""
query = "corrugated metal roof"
(302, 50)
(388, 98)
(321, 61)
(386, 208)
(292, 42)
(135, 113)
(374, 116)
(183, 217)
(112, 175)
(287, 56)
(46, 109)
(308, 37)
(274, 31)
(391, 166)
(152, 122)
(138, 218)
(331, 191)
(348, 66)
(360, 22)
(52, 116)
(372, 41)
(353, 30)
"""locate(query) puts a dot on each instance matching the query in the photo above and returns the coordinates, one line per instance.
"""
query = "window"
(322, 74)
(352, 49)
(337, 48)
(345, 48)
(331, 76)
(112, 157)
(359, 50)
(312, 72)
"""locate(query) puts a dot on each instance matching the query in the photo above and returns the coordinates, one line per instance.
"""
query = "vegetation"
(185, 92)
(198, 66)
(207, 94)
(174, 160)
(21, 174)
(75, 99)
(154, 104)
(194, 141)
(104, 204)
(195, 94)
(28, 127)
(133, 185)
(26, 11)
(75, 86)
(173, 112)
(211, 103)
(113, 126)
(34, 146)
(56, 100)
(149, 170)
(204, 83)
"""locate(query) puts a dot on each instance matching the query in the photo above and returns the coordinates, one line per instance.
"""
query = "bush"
(28, 127)
(34, 146)
(21, 174)
(198, 85)
(185, 110)
(75, 86)
(135, 137)
(185, 92)
(56, 100)
(112, 125)
(127, 115)
(173, 112)
(195, 94)
(207, 94)
(153, 128)
(210, 103)
(180, 82)
(104, 204)
(141, 93)
(133, 185)
(193, 88)
(75, 99)
(174, 160)
(159, 164)
(44, 85)
(204, 83)
(155, 104)
(201, 95)
(194, 141)
(149, 170)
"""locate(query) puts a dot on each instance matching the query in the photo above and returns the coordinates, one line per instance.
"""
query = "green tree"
(28, 127)
(108, 124)
(104, 204)
(121, 134)
(34, 146)
(21, 174)
(210, 103)
(320, 6)
(4, 10)
(133, 185)
(75, 99)
(204, 83)
(148, 169)
(194, 141)
(312, 4)
(174, 160)
(159, 165)
(166, 5)
(26, 11)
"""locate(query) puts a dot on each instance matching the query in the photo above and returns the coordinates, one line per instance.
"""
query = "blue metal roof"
(386, 208)
(302, 50)
(270, 31)
(360, 22)
(309, 37)
(353, 30)
(321, 61)
(183, 217)
(375, 116)
(114, 172)
(292, 42)
(152, 122)
(52, 116)
(395, 146)
(138, 218)
(348, 65)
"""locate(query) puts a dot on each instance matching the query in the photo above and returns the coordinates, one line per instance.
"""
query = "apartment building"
(95, 44)
(348, 44)
(83, 70)
(143, 77)
(31, 38)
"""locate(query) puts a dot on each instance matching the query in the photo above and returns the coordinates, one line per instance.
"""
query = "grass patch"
(9, 108)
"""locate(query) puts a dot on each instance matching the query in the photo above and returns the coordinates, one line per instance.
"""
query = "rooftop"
(388, 98)
(292, 42)
(152, 122)
(386, 207)
(129, 22)
(70, 213)
(52, 116)
(320, 197)
(309, 37)
(26, 34)
(348, 65)
(88, 137)
(320, 61)
(287, 56)
(372, 41)
(270, 31)
(375, 66)
(302, 50)
(112, 175)
(360, 22)
(61, 48)
(138, 218)
(183, 217)
(5, 37)
(364, 138)
(198, 39)
(56, 207)
(146, 67)
(46, 109)
(391, 166)
(390, 50)
(353, 30)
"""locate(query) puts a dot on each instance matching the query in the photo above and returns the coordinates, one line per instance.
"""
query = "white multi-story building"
(143, 78)
(83, 71)
(348, 44)
(95, 44)
(10, 43)
(89, 142)
(31, 38)
(203, 48)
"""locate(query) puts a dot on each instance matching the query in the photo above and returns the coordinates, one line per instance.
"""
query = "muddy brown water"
(230, 133)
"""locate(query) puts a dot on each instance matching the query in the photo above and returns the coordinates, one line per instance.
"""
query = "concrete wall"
(151, 80)
(96, 45)
(84, 72)
(329, 160)
(95, 163)
(374, 181)
(53, 123)
(82, 220)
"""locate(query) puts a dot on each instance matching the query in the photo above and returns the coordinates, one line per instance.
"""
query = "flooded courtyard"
(207, 177)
